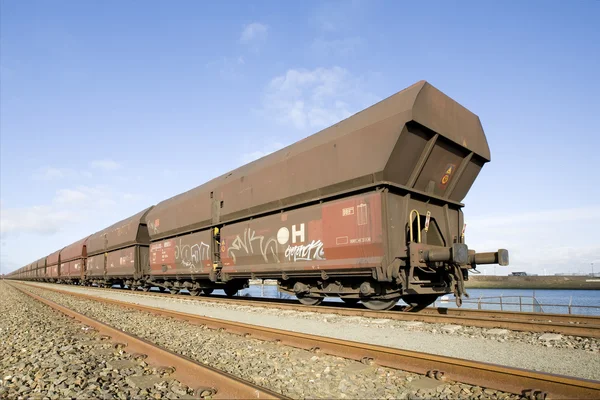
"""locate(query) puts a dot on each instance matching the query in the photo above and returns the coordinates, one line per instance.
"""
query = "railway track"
(573, 325)
(206, 381)
(526, 383)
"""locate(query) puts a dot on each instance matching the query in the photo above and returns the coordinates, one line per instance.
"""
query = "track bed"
(381, 358)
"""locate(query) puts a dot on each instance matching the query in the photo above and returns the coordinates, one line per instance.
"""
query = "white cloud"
(107, 165)
(49, 173)
(66, 196)
(45, 220)
(524, 219)
(67, 206)
(52, 173)
(130, 197)
(254, 32)
(558, 241)
(315, 99)
(267, 149)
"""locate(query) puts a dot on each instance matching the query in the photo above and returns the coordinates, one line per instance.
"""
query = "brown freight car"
(368, 209)
(53, 267)
(73, 262)
(119, 253)
(40, 271)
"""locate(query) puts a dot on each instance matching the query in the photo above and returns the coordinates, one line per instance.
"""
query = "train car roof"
(127, 232)
(356, 152)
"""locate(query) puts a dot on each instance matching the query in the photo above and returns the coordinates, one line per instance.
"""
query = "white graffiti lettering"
(190, 256)
(268, 247)
(308, 252)
(296, 233)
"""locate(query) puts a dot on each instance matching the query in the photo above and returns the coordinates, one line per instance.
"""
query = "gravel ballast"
(292, 372)
(534, 351)
(46, 355)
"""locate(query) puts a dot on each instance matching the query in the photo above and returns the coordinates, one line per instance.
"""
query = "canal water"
(585, 302)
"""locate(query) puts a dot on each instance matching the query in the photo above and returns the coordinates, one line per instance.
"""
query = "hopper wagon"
(118, 255)
(369, 209)
(72, 262)
(52, 267)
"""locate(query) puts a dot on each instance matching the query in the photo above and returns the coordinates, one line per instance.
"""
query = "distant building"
(519, 273)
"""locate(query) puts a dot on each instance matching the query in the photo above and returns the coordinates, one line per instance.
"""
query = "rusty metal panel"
(72, 269)
(53, 271)
(445, 224)
(40, 263)
(143, 260)
(326, 163)
(95, 266)
(43, 272)
(121, 262)
(341, 234)
(74, 251)
(188, 254)
(441, 114)
(53, 258)
(124, 233)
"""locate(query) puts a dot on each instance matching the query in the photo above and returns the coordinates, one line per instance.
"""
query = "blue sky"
(109, 107)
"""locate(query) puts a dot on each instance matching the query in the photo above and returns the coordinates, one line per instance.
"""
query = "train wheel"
(418, 302)
(310, 301)
(350, 301)
(230, 291)
(379, 304)
(194, 292)
(207, 291)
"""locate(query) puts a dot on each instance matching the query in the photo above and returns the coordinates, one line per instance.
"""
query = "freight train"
(368, 210)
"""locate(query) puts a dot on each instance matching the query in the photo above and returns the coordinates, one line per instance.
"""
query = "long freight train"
(367, 210)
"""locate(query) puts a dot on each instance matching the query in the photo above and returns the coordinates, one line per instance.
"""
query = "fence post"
(520, 304)
(570, 301)
(501, 308)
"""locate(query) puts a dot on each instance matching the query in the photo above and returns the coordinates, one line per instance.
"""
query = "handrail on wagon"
(410, 227)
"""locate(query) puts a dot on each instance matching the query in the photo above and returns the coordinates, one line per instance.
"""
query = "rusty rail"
(574, 325)
(197, 376)
(498, 377)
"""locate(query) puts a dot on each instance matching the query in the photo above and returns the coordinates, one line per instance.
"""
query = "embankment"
(533, 282)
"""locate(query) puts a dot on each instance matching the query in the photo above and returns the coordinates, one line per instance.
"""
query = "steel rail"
(514, 380)
(583, 326)
(201, 378)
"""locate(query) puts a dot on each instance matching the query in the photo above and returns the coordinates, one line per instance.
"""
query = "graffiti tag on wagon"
(250, 243)
(191, 254)
(188, 255)
(300, 252)
(306, 252)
